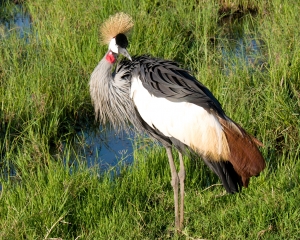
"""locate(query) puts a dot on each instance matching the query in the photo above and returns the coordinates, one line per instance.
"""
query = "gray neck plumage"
(110, 95)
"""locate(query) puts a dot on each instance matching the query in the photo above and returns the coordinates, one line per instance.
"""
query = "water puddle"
(240, 49)
(17, 21)
(245, 54)
(104, 148)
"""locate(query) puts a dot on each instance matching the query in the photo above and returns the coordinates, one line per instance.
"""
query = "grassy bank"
(45, 99)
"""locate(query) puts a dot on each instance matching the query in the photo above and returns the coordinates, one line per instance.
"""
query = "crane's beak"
(124, 52)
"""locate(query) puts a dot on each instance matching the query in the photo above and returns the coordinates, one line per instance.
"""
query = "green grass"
(44, 100)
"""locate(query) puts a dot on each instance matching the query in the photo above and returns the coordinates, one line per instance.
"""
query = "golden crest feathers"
(118, 23)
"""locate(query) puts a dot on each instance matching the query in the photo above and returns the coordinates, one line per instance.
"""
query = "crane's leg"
(174, 183)
(181, 175)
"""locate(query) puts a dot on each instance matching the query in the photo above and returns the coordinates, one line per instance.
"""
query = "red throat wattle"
(110, 57)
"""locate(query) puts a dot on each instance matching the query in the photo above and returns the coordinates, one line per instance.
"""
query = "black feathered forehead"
(121, 40)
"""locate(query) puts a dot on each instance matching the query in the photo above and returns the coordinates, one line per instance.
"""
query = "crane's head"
(113, 32)
(119, 44)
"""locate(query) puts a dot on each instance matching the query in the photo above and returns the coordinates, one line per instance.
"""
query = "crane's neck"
(110, 94)
(100, 80)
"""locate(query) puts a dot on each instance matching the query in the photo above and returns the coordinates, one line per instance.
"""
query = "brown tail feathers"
(245, 157)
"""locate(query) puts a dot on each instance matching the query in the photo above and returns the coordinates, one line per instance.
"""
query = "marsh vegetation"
(246, 52)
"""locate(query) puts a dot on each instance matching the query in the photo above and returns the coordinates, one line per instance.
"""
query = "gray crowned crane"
(165, 101)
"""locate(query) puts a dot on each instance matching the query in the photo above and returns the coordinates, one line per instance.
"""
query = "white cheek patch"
(113, 46)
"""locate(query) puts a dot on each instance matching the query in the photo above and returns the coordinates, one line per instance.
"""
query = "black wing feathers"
(231, 181)
(166, 79)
